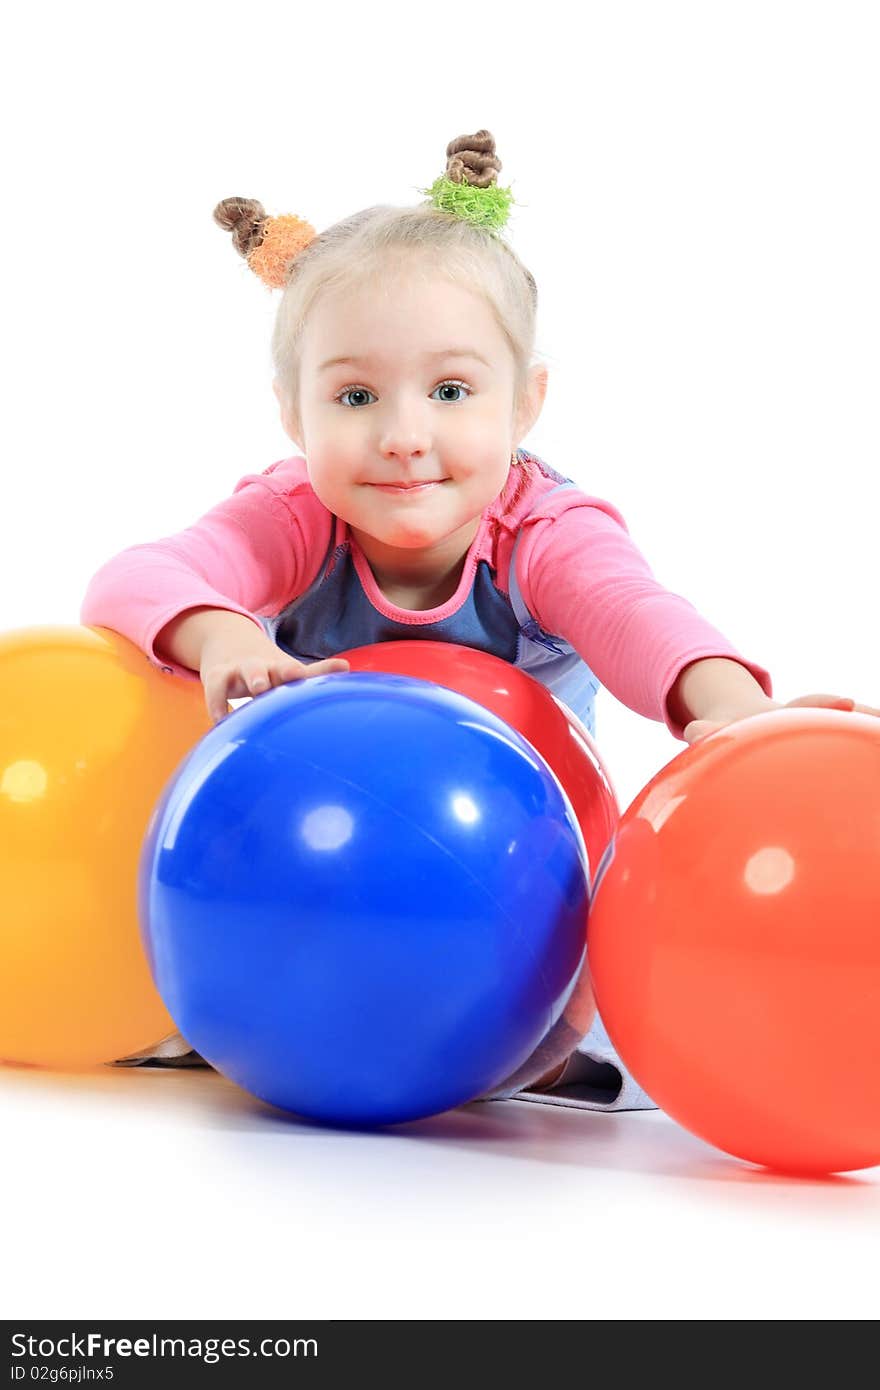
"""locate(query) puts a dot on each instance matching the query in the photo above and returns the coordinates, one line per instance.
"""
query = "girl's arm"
(248, 555)
(584, 579)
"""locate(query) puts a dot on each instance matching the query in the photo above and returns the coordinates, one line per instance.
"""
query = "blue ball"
(364, 898)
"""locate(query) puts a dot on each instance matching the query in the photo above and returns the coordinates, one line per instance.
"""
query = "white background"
(698, 201)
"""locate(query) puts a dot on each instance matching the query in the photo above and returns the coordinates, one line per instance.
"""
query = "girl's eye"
(362, 391)
(352, 391)
(455, 385)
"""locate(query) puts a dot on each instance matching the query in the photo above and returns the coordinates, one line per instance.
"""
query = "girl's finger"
(823, 702)
(326, 668)
(215, 698)
(217, 709)
(700, 728)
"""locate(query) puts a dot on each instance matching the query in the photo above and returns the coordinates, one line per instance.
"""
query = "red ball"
(734, 940)
(565, 745)
(524, 704)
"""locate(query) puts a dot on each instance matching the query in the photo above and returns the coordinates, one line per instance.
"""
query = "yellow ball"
(90, 732)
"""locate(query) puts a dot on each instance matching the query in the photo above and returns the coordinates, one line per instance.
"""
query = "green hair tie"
(485, 207)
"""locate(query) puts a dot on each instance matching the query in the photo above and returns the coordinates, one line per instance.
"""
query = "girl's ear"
(541, 376)
(289, 421)
(533, 401)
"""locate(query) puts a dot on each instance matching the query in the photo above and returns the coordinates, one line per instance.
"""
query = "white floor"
(156, 1194)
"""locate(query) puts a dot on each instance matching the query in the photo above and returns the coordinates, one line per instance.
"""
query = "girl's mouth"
(407, 489)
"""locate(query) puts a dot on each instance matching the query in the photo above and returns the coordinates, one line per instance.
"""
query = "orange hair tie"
(283, 239)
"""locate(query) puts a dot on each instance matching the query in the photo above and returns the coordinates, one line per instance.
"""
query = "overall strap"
(517, 603)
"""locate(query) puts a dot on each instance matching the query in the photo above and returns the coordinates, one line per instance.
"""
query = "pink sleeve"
(582, 578)
(251, 554)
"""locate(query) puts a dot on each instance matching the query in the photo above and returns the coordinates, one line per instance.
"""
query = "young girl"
(402, 351)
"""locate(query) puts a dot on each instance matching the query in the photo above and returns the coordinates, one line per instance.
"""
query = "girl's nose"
(405, 433)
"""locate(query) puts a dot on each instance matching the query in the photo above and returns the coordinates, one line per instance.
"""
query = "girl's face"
(410, 439)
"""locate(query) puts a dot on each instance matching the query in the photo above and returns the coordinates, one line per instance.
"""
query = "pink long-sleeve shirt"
(266, 551)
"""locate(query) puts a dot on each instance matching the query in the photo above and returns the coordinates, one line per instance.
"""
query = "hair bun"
(471, 159)
(246, 219)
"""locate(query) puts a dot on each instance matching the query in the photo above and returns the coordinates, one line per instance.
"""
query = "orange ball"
(734, 940)
(90, 732)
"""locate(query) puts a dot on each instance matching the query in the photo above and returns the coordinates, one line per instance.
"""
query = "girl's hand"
(250, 665)
(699, 728)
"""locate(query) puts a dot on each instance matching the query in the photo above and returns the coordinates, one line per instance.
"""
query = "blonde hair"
(361, 248)
(453, 235)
